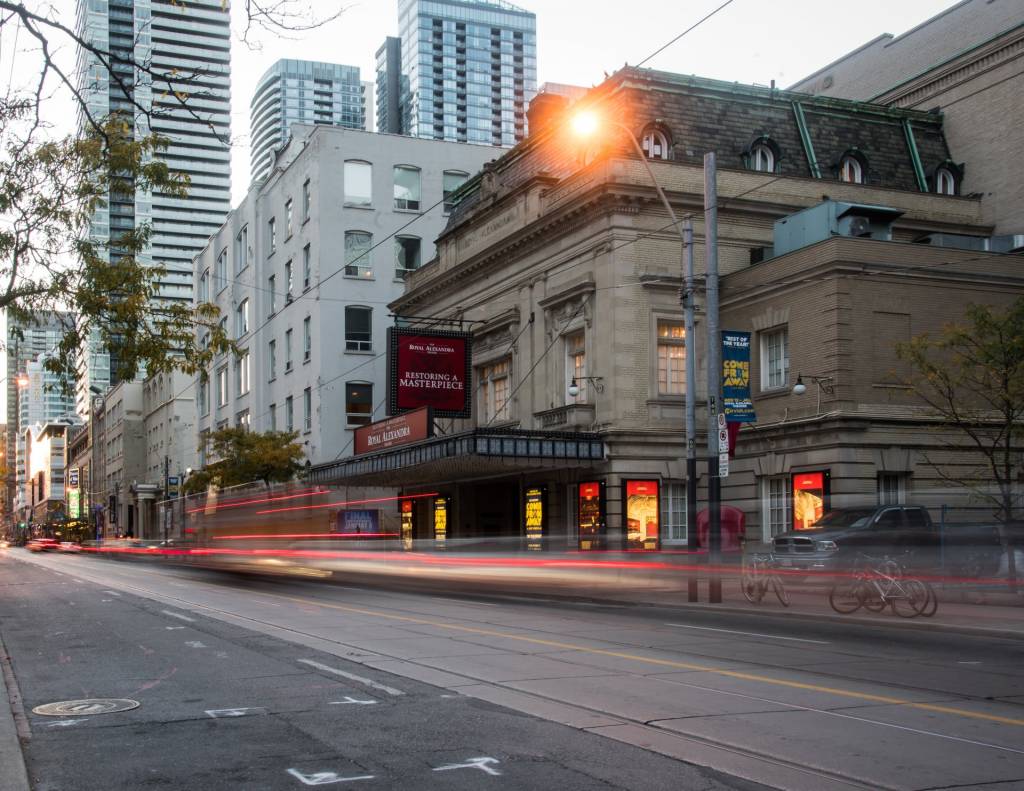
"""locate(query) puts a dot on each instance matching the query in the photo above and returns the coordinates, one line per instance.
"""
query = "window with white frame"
(305, 200)
(774, 505)
(243, 420)
(204, 286)
(220, 271)
(850, 169)
(358, 328)
(288, 220)
(272, 360)
(774, 358)
(204, 396)
(891, 487)
(271, 236)
(945, 182)
(407, 255)
(287, 350)
(242, 318)
(287, 281)
(222, 386)
(307, 338)
(576, 367)
(241, 249)
(307, 409)
(358, 183)
(671, 357)
(673, 511)
(272, 416)
(289, 414)
(272, 295)
(307, 268)
(242, 371)
(762, 158)
(358, 403)
(655, 145)
(494, 389)
(357, 254)
(453, 179)
(407, 187)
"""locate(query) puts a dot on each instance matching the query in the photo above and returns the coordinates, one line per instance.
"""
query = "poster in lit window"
(406, 516)
(534, 514)
(810, 492)
(642, 514)
(362, 521)
(440, 520)
(591, 515)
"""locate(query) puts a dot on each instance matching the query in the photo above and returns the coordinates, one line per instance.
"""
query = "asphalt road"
(558, 694)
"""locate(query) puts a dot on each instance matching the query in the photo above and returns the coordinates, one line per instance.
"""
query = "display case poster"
(736, 401)
(641, 514)
(591, 518)
(808, 498)
(363, 521)
(534, 512)
(407, 517)
(440, 518)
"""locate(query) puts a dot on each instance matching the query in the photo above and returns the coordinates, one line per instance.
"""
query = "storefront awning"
(471, 455)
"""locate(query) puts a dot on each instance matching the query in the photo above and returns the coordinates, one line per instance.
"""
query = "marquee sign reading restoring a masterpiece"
(430, 368)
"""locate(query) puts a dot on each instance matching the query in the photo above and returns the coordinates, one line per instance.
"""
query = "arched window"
(945, 181)
(851, 170)
(655, 144)
(762, 158)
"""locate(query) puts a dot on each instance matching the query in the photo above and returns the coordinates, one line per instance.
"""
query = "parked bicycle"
(878, 583)
(758, 575)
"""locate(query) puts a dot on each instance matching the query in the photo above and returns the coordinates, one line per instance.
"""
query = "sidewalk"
(13, 776)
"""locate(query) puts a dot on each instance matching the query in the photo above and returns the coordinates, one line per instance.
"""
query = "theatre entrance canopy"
(473, 455)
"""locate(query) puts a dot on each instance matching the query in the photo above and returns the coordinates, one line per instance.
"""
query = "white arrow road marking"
(324, 778)
(178, 615)
(66, 723)
(351, 700)
(352, 676)
(473, 763)
(194, 644)
(239, 712)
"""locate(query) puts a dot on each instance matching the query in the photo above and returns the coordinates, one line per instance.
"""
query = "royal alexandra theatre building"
(537, 364)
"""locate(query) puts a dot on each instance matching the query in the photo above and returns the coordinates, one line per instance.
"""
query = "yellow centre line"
(674, 664)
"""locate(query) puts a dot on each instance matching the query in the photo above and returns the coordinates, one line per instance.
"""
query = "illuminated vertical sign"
(440, 521)
(642, 510)
(533, 510)
(590, 514)
(810, 495)
(74, 504)
(406, 517)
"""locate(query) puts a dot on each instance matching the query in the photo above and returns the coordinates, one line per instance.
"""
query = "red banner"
(400, 430)
(430, 368)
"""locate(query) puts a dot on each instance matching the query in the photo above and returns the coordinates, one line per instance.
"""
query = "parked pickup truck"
(905, 532)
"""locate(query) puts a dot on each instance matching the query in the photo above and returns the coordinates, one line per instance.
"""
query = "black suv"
(835, 540)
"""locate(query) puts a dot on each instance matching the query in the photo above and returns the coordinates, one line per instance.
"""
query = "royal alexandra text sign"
(400, 430)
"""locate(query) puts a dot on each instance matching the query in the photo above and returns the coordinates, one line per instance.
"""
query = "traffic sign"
(723, 440)
(723, 464)
(721, 420)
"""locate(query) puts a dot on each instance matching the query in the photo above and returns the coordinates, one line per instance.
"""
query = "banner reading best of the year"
(736, 401)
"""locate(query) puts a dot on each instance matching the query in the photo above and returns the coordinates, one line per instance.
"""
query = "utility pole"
(167, 495)
(693, 594)
(714, 360)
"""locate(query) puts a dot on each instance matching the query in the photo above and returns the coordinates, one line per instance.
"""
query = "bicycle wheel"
(873, 599)
(912, 600)
(750, 583)
(780, 590)
(933, 601)
(846, 598)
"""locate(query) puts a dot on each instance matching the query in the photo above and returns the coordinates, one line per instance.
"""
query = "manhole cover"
(81, 708)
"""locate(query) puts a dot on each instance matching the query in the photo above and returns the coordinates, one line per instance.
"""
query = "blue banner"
(736, 401)
(359, 522)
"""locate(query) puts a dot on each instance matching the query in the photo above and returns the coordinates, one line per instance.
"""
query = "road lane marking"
(112, 593)
(178, 615)
(749, 634)
(325, 778)
(349, 700)
(194, 644)
(245, 711)
(352, 677)
(460, 601)
(482, 763)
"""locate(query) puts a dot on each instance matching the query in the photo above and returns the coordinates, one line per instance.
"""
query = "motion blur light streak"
(236, 503)
(348, 502)
(331, 536)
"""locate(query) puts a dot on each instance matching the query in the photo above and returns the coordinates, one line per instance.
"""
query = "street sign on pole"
(723, 464)
(723, 440)
(721, 420)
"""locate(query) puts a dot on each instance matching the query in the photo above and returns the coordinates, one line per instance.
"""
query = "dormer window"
(945, 181)
(851, 170)
(655, 144)
(762, 158)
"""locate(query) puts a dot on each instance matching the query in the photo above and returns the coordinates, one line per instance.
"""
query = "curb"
(13, 776)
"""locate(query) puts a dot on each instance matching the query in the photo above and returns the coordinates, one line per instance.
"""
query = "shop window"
(358, 328)
(407, 187)
(358, 403)
(774, 516)
(671, 358)
(774, 358)
(576, 367)
(358, 183)
(945, 181)
(357, 254)
(673, 511)
(891, 488)
(494, 390)
(851, 169)
(407, 255)
(453, 179)
(655, 144)
(762, 158)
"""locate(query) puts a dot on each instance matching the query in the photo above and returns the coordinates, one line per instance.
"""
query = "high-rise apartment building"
(182, 94)
(303, 92)
(471, 67)
(389, 87)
